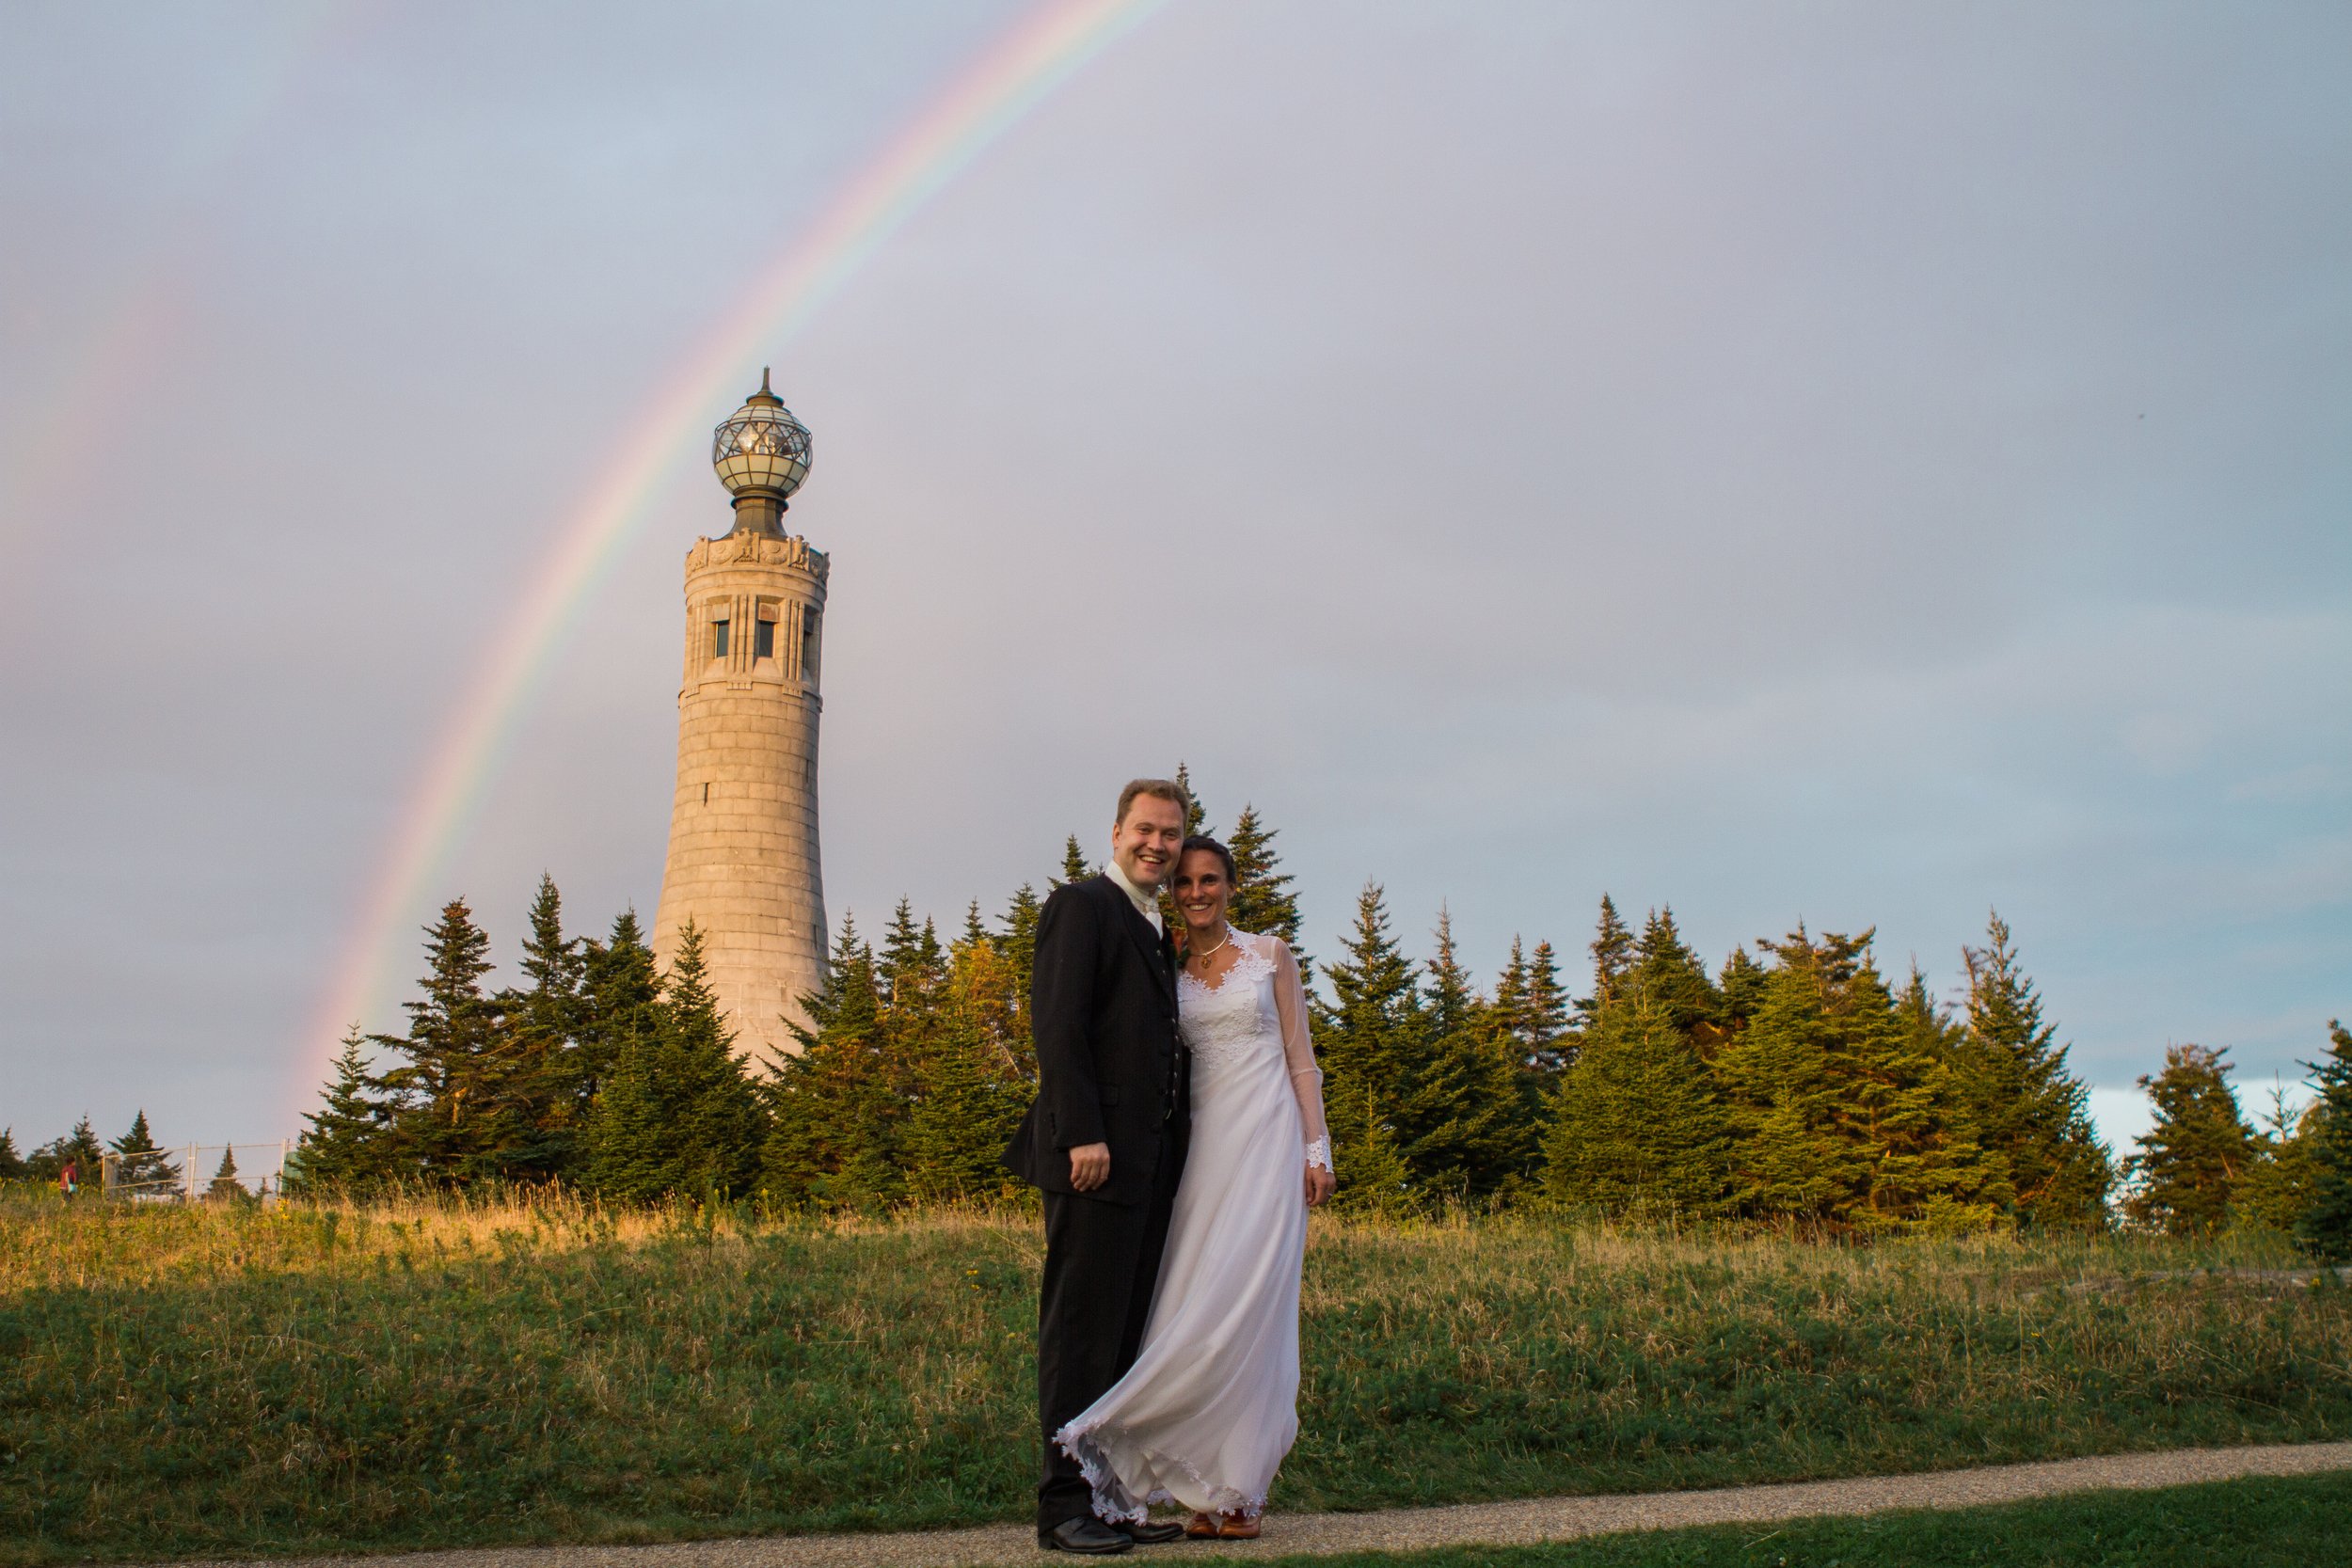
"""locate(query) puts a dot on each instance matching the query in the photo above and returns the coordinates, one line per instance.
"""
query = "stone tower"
(743, 862)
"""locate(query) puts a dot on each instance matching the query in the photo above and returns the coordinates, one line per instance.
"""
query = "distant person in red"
(68, 1179)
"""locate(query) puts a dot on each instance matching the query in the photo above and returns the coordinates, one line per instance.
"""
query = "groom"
(1104, 1139)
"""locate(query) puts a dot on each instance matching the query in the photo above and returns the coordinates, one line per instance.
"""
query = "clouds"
(1825, 462)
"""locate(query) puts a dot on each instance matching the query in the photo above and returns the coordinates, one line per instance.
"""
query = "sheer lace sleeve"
(1298, 1050)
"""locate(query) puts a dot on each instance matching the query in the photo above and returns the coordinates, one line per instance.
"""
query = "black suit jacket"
(1111, 1068)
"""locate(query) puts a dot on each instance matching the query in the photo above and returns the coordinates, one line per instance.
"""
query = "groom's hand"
(1090, 1167)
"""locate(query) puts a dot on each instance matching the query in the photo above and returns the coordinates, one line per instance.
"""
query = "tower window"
(717, 639)
(809, 644)
(764, 640)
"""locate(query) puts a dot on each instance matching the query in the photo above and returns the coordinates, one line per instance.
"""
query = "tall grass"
(422, 1373)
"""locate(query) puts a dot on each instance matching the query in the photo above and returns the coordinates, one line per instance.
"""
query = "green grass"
(232, 1382)
(2263, 1522)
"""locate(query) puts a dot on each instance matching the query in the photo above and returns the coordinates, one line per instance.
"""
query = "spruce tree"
(620, 1006)
(1635, 1125)
(1543, 1019)
(349, 1139)
(2324, 1229)
(1783, 1088)
(139, 1162)
(2044, 1161)
(2190, 1162)
(1195, 815)
(1612, 960)
(1074, 866)
(12, 1167)
(453, 1087)
(1373, 1175)
(1742, 987)
(2278, 1187)
(1474, 1138)
(1372, 1038)
(78, 1149)
(1263, 900)
(225, 1187)
(679, 1117)
(837, 1115)
(1668, 978)
(546, 1095)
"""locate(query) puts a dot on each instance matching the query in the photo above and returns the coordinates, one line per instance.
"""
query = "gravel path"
(1409, 1528)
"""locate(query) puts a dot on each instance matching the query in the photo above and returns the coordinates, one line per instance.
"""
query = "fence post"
(188, 1173)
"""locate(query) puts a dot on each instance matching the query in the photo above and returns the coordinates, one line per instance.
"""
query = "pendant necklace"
(1212, 952)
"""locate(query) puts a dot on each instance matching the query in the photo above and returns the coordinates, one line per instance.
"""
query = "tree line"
(1793, 1085)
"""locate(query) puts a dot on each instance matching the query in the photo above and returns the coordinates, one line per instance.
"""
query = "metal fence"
(196, 1173)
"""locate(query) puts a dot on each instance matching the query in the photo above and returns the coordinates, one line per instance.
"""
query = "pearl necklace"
(1212, 952)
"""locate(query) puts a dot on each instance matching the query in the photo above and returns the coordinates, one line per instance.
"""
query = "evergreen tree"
(1635, 1125)
(836, 1109)
(1612, 961)
(1196, 816)
(547, 1103)
(679, 1117)
(973, 1089)
(1373, 1177)
(2278, 1187)
(1742, 987)
(2043, 1158)
(1510, 1001)
(1474, 1137)
(453, 1091)
(2324, 1229)
(2191, 1161)
(1263, 900)
(1783, 1090)
(620, 1008)
(12, 1166)
(348, 1141)
(1372, 1038)
(1074, 866)
(139, 1162)
(1543, 1020)
(78, 1149)
(1667, 978)
(225, 1187)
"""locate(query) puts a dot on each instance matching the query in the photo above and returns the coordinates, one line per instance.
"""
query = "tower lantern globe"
(761, 453)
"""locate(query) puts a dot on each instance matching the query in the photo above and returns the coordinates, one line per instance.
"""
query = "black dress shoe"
(1086, 1534)
(1151, 1532)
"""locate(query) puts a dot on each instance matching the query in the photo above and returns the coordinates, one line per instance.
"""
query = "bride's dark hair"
(1203, 840)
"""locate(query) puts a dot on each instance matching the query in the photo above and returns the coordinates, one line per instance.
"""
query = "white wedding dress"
(1211, 1406)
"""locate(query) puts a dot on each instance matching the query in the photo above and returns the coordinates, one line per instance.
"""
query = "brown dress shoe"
(1200, 1526)
(1236, 1526)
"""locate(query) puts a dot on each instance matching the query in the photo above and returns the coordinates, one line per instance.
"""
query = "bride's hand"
(1321, 1184)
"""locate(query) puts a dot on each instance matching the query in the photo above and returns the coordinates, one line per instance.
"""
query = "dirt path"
(1407, 1530)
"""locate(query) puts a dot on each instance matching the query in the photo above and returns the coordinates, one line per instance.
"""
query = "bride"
(1211, 1406)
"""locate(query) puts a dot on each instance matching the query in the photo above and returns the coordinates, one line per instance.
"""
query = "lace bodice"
(1233, 1019)
(1257, 1007)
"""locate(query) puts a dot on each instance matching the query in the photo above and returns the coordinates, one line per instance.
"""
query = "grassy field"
(233, 1380)
(2264, 1522)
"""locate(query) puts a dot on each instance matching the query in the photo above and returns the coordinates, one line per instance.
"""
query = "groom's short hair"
(1165, 789)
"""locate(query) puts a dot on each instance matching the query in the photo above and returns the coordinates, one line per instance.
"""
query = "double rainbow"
(1008, 79)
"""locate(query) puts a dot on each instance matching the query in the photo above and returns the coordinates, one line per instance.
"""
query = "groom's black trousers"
(1101, 1260)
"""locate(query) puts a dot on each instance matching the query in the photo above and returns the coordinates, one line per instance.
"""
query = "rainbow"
(1003, 83)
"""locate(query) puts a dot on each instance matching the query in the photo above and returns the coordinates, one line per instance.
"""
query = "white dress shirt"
(1146, 904)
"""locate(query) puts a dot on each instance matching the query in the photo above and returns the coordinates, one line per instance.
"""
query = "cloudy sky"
(1853, 464)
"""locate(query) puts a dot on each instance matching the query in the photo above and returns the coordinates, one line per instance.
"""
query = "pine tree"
(1612, 960)
(453, 1089)
(1790, 1157)
(2324, 1229)
(1371, 1038)
(1074, 866)
(546, 1098)
(1742, 987)
(78, 1149)
(1195, 815)
(678, 1117)
(2191, 1161)
(1543, 1020)
(1473, 1137)
(2043, 1157)
(1262, 901)
(1668, 978)
(2278, 1187)
(836, 1112)
(348, 1142)
(1634, 1124)
(225, 1187)
(620, 1006)
(12, 1167)
(1373, 1177)
(139, 1162)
